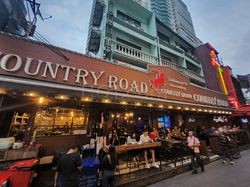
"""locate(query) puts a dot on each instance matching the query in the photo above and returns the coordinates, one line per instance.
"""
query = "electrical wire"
(43, 41)
(39, 38)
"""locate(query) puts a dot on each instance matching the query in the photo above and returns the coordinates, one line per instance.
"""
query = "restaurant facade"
(62, 97)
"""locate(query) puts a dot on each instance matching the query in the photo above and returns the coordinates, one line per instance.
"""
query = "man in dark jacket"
(68, 168)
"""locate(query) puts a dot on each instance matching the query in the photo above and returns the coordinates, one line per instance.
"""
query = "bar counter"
(53, 143)
(126, 147)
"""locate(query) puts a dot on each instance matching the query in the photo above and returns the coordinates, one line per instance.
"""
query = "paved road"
(216, 175)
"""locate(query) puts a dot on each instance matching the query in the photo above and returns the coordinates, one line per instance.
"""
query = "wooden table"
(125, 147)
(171, 141)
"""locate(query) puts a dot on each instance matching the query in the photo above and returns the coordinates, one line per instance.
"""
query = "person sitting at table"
(162, 133)
(154, 135)
(115, 139)
(131, 139)
(183, 130)
(111, 139)
(224, 128)
(235, 128)
(168, 134)
(134, 154)
(220, 130)
(211, 131)
(144, 138)
(176, 133)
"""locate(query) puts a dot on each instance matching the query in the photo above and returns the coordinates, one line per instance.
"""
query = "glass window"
(60, 121)
(128, 19)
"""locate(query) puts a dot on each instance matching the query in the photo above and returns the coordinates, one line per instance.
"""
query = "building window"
(128, 19)
(128, 43)
(163, 37)
(165, 60)
(60, 121)
(193, 67)
(183, 48)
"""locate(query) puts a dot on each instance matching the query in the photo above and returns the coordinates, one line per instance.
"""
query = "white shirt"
(193, 141)
(131, 140)
(144, 139)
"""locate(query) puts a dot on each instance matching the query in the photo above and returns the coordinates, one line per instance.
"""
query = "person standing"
(194, 144)
(109, 165)
(68, 167)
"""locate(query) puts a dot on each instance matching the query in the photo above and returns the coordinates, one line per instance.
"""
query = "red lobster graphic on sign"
(159, 80)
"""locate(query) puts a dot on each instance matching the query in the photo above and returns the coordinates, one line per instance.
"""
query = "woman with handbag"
(194, 144)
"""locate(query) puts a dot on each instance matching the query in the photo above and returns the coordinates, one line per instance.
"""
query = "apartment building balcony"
(181, 51)
(192, 57)
(167, 44)
(130, 55)
(190, 74)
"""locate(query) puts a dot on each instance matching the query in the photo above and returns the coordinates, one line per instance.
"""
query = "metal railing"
(167, 44)
(183, 70)
(136, 54)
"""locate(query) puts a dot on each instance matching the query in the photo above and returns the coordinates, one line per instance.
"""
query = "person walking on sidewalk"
(194, 145)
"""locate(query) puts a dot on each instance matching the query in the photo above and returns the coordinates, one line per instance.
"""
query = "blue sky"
(223, 23)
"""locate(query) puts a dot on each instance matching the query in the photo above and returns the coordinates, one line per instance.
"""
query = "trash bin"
(5, 179)
(88, 176)
(22, 172)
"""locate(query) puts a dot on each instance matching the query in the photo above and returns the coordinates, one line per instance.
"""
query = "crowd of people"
(107, 156)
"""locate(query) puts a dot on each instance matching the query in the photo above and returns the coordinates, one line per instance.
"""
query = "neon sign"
(233, 102)
(215, 62)
(214, 59)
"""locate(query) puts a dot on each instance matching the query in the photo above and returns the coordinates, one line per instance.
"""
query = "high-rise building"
(162, 10)
(13, 17)
(181, 17)
(128, 34)
(144, 3)
(175, 14)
